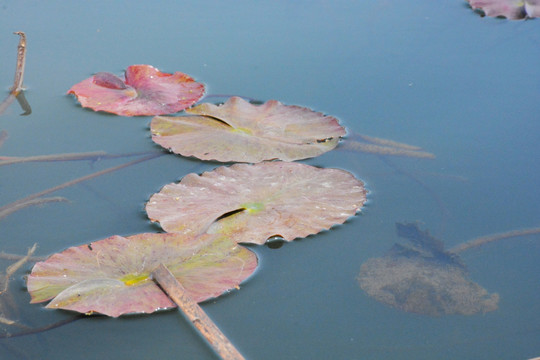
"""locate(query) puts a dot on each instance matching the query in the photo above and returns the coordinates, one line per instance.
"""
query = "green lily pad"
(112, 276)
(241, 132)
(256, 202)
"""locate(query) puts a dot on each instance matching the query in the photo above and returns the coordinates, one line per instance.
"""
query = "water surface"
(432, 74)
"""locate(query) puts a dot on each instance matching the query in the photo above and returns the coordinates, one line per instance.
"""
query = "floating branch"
(17, 87)
(195, 314)
(10, 322)
(21, 61)
(94, 155)
(489, 238)
(18, 203)
(7, 160)
(7, 256)
(3, 137)
(387, 142)
(32, 331)
(13, 268)
(385, 150)
(33, 202)
(23, 103)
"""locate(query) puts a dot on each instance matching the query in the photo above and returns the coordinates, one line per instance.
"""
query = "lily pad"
(511, 9)
(112, 276)
(264, 200)
(424, 278)
(242, 132)
(145, 91)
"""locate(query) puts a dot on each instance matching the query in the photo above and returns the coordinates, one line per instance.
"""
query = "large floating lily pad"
(511, 9)
(241, 132)
(268, 199)
(145, 91)
(112, 276)
(424, 279)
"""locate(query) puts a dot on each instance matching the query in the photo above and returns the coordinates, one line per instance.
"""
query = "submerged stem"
(4, 283)
(54, 157)
(33, 331)
(32, 202)
(3, 136)
(490, 238)
(20, 202)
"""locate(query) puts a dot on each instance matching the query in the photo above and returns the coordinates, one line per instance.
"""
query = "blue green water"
(431, 74)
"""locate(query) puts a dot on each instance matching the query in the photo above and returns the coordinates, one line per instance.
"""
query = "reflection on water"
(431, 74)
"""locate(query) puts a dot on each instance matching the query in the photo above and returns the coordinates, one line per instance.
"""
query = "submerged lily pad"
(511, 9)
(145, 91)
(113, 276)
(283, 199)
(424, 278)
(241, 132)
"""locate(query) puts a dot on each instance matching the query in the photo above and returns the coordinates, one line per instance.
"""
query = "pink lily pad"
(268, 199)
(511, 9)
(113, 276)
(145, 91)
(241, 132)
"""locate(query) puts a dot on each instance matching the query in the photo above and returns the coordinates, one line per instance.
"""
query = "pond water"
(431, 74)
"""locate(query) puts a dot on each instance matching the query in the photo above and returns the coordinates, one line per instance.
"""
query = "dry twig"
(17, 87)
(13, 268)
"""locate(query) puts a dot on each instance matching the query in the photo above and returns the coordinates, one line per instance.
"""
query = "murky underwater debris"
(423, 278)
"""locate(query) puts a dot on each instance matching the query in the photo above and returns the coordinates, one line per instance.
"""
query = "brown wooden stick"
(21, 61)
(19, 72)
(195, 314)
(489, 238)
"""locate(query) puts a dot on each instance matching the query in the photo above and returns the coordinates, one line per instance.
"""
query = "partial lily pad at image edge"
(113, 276)
(145, 91)
(253, 203)
(242, 132)
(511, 9)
